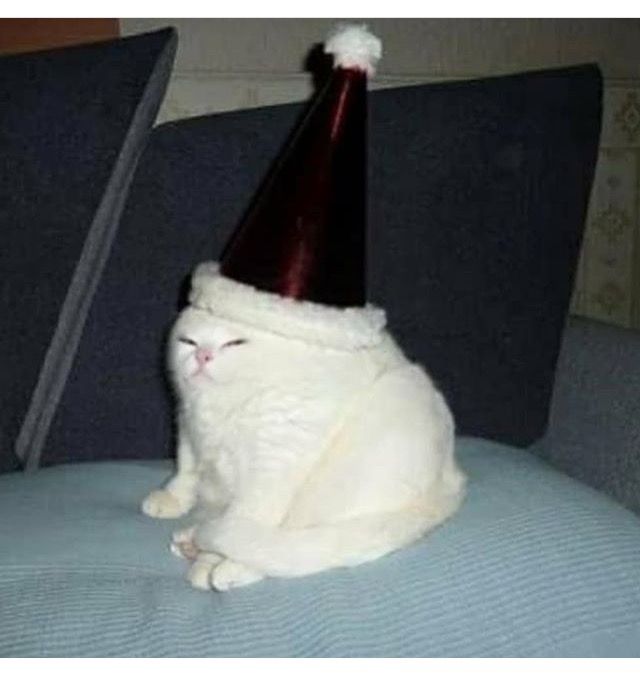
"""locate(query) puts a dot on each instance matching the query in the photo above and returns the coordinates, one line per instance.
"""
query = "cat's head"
(205, 349)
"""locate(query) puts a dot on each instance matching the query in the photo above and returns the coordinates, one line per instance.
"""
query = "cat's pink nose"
(203, 355)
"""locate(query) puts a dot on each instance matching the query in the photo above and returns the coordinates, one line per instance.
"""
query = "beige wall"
(225, 64)
(412, 46)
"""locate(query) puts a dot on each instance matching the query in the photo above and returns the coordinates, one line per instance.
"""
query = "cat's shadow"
(319, 65)
(170, 395)
(183, 293)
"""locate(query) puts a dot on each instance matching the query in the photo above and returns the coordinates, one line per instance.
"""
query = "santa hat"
(296, 263)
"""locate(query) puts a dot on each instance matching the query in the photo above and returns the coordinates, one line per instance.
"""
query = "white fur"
(354, 46)
(301, 457)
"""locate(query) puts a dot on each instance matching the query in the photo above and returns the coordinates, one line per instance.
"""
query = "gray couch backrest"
(594, 426)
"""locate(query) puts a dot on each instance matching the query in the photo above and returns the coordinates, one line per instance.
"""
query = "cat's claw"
(230, 574)
(182, 544)
(162, 504)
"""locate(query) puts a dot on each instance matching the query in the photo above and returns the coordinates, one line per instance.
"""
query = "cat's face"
(205, 349)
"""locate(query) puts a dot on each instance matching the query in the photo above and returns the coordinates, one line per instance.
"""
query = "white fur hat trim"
(349, 328)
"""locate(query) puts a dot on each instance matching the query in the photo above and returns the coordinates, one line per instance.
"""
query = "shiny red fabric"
(305, 234)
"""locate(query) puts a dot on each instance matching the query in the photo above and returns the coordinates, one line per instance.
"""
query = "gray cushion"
(594, 429)
(72, 125)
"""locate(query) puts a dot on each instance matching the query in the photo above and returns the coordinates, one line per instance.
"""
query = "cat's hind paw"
(231, 574)
(162, 504)
(201, 570)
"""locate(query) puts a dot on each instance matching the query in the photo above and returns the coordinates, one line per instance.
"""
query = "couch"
(478, 197)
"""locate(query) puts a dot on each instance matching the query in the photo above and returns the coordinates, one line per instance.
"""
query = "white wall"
(224, 64)
(412, 46)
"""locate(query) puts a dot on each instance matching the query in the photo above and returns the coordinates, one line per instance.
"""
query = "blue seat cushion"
(534, 564)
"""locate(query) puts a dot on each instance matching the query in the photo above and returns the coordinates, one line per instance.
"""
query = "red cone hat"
(295, 267)
(304, 237)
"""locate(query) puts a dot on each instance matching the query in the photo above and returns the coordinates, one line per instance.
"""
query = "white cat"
(303, 453)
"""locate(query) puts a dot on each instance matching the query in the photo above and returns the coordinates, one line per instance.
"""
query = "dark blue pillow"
(478, 193)
(73, 123)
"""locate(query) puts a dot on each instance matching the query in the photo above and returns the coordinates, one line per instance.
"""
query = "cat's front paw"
(230, 574)
(162, 504)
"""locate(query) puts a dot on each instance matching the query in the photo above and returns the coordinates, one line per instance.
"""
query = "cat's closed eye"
(235, 342)
(191, 342)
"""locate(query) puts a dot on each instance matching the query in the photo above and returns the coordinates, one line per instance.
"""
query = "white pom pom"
(353, 46)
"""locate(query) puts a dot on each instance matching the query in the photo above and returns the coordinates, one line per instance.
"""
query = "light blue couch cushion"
(535, 564)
